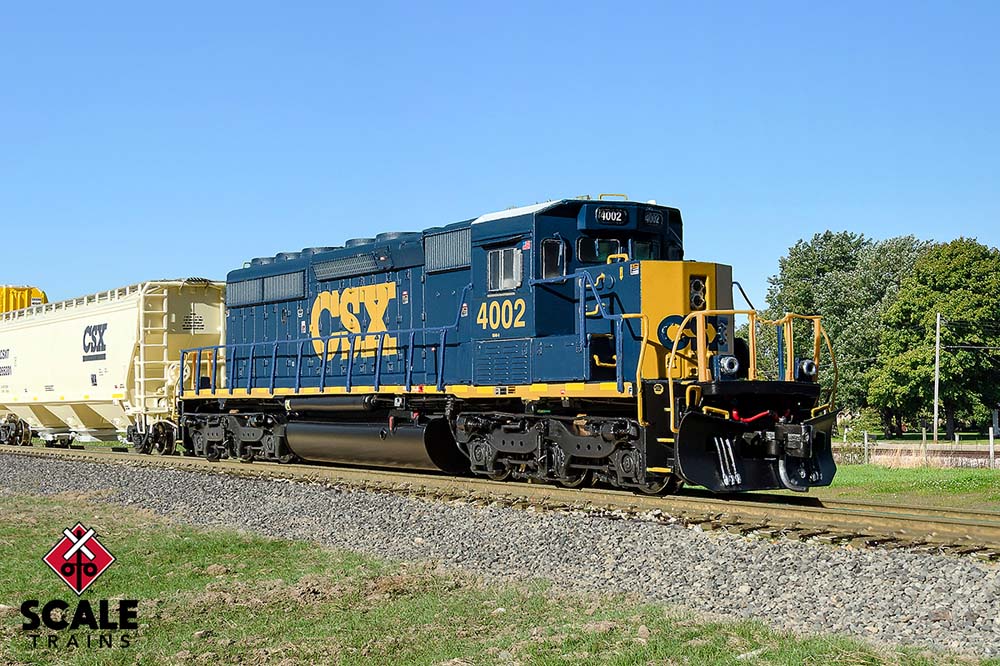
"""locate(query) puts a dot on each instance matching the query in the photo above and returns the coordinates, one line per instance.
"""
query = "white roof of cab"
(513, 212)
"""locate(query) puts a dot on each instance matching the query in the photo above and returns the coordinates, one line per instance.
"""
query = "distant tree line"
(879, 300)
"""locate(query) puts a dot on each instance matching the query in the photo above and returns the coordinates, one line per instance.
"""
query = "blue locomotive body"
(566, 341)
(471, 303)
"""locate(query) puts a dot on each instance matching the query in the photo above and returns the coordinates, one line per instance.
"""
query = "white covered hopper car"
(104, 366)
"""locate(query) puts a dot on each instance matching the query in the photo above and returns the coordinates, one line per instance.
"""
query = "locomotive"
(567, 342)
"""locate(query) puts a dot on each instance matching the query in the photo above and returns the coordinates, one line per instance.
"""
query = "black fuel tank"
(431, 447)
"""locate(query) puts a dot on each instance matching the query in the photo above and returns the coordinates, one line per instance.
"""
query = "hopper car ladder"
(153, 356)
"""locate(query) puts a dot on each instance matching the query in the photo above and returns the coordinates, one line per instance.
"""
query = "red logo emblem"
(79, 558)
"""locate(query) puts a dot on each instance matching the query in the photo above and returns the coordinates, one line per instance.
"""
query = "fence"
(917, 453)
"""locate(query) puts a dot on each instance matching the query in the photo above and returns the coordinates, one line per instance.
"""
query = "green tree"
(961, 280)
(804, 277)
(850, 281)
(853, 304)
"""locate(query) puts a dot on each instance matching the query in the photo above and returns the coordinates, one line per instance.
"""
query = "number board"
(611, 215)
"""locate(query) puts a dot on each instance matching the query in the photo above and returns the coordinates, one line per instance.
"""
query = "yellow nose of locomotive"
(669, 292)
(715, 421)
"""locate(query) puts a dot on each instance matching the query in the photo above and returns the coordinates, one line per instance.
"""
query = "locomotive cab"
(707, 413)
(611, 299)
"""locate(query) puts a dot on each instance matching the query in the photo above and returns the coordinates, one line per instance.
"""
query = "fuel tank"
(428, 447)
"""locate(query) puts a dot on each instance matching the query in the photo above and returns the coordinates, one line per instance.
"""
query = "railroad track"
(862, 524)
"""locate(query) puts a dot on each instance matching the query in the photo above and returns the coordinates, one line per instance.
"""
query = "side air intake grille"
(285, 287)
(244, 292)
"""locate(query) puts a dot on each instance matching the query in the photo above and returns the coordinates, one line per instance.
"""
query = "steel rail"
(858, 522)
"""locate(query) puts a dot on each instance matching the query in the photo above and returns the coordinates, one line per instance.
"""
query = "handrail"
(325, 340)
(819, 333)
(644, 329)
(587, 281)
(701, 350)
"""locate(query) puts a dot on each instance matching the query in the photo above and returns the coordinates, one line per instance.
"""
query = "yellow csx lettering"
(347, 305)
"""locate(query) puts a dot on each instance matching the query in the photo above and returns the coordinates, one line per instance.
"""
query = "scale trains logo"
(78, 559)
(352, 306)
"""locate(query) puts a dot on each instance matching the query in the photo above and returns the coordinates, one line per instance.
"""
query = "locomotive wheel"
(665, 486)
(574, 481)
(502, 475)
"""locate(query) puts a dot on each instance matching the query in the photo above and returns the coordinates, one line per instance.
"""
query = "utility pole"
(937, 373)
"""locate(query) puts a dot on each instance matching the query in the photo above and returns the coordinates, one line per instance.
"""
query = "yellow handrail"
(601, 364)
(701, 350)
(644, 328)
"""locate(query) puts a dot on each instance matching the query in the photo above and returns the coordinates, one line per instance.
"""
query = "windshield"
(597, 250)
(642, 250)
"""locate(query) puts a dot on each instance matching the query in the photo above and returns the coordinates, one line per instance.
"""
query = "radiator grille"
(448, 251)
(358, 264)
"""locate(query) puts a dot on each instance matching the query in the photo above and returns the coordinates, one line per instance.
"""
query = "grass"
(935, 486)
(220, 596)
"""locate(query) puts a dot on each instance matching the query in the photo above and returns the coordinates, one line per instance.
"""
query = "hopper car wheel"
(162, 438)
(22, 435)
(142, 443)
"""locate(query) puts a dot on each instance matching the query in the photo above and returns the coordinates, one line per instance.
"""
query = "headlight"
(729, 365)
(807, 370)
(698, 292)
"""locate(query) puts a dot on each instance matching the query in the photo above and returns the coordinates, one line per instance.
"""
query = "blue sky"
(140, 142)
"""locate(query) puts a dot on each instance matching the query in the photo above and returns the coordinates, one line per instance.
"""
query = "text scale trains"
(566, 342)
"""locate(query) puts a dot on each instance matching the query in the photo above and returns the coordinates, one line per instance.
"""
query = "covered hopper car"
(567, 342)
(104, 366)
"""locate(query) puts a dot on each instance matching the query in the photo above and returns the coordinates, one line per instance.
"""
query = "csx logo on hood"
(93, 342)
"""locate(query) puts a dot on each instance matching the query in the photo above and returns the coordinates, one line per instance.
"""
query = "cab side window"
(553, 258)
(504, 269)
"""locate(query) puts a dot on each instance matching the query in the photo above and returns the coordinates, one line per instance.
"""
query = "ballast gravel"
(881, 595)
